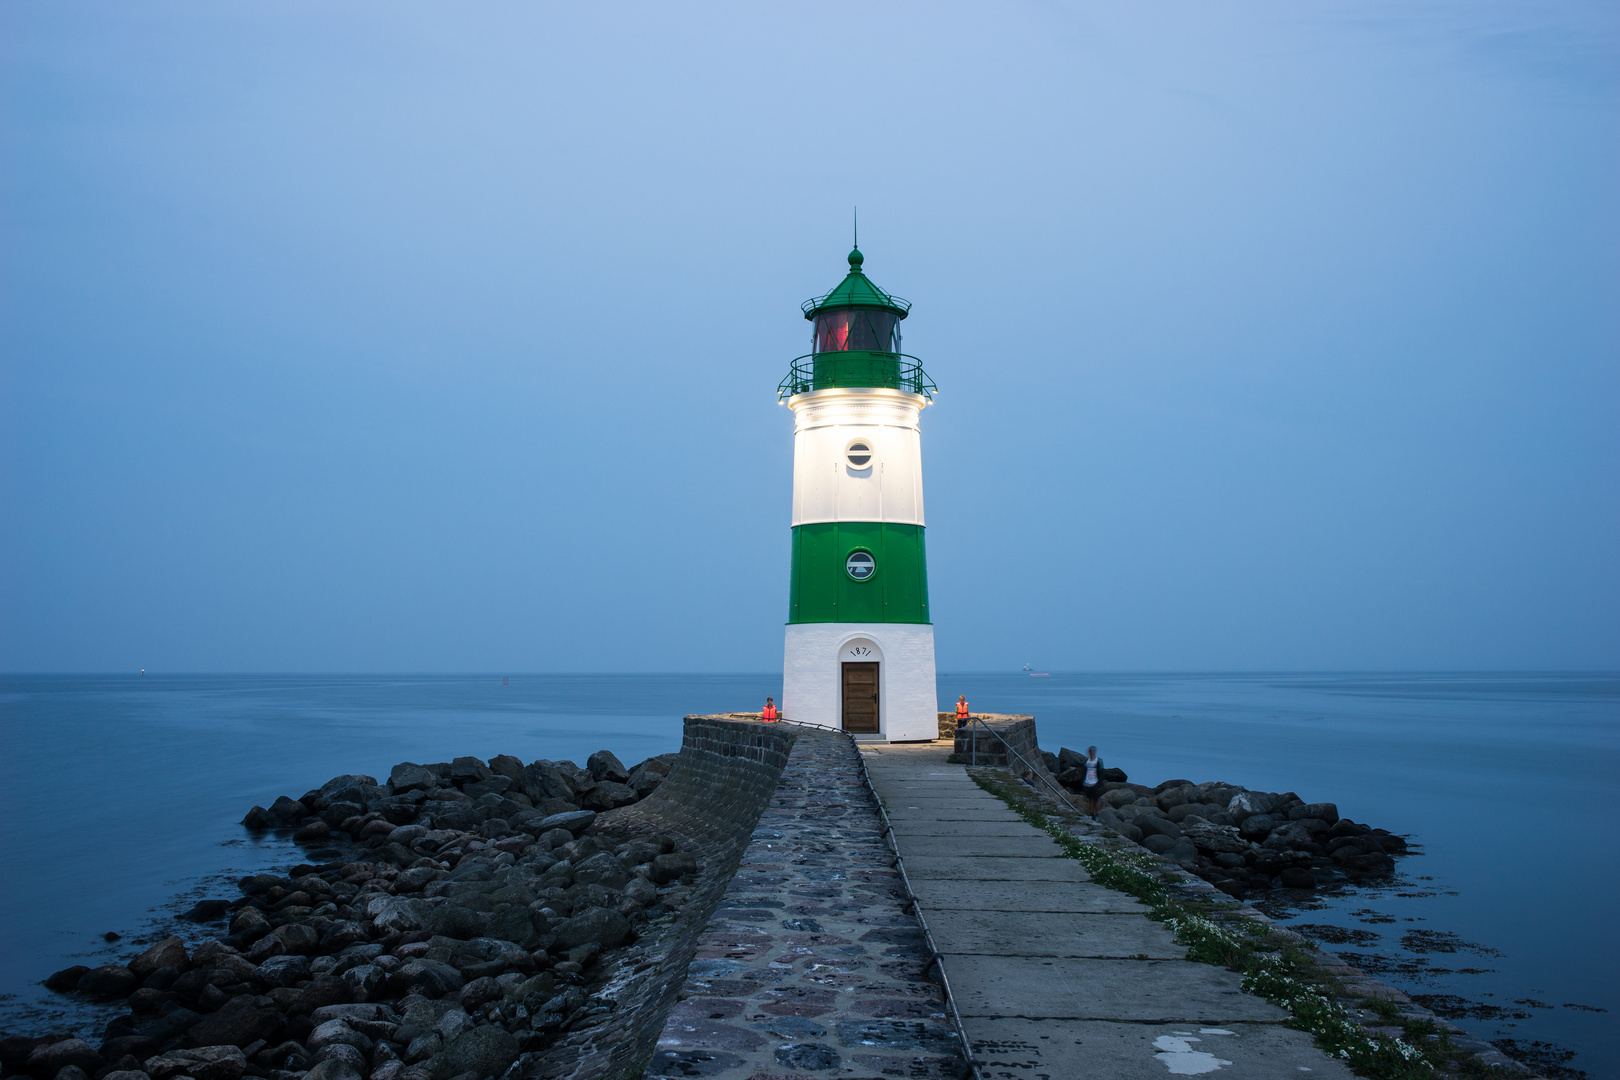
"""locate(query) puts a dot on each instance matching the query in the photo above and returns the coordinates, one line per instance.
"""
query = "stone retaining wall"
(724, 777)
(1017, 730)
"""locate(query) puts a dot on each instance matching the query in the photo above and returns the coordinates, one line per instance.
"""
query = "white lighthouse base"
(908, 708)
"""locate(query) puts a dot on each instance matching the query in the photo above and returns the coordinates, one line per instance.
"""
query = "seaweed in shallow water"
(1409, 967)
(1453, 1007)
(1368, 915)
(1337, 935)
(1545, 1057)
(1443, 941)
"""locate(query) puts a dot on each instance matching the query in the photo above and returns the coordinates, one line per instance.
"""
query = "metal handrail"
(910, 376)
(975, 755)
(935, 957)
(813, 304)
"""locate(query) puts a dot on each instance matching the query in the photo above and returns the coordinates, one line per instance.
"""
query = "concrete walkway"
(1057, 978)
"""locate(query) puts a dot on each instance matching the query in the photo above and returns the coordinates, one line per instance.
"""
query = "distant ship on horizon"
(1037, 674)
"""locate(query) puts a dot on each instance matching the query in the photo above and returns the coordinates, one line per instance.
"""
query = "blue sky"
(423, 338)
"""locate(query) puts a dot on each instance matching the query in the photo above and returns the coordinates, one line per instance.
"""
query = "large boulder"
(334, 1068)
(1154, 825)
(608, 795)
(1245, 803)
(365, 981)
(575, 821)
(430, 978)
(1291, 836)
(1214, 839)
(67, 979)
(170, 952)
(667, 868)
(295, 938)
(402, 914)
(350, 1056)
(208, 911)
(409, 776)
(108, 982)
(644, 781)
(241, 1021)
(495, 785)
(516, 923)
(543, 780)
(454, 921)
(603, 926)
(1297, 877)
(485, 1050)
(1325, 811)
(48, 1059)
(324, 991)
(283, 971)
(1256, 826)
(202, 1063)
(1172, 797)
(288, 812)
(249, 925)
(604, 765)
(338, 1031)
(508, 766)
(468, 770)
(605, 868)
(351, 787)
(1183, 853)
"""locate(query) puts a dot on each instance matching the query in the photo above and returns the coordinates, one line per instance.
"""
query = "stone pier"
(1054, 976)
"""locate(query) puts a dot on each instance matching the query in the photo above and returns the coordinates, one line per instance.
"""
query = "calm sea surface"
(119, 799)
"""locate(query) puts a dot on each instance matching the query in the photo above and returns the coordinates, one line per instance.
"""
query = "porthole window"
(860, 565)
(859, 454)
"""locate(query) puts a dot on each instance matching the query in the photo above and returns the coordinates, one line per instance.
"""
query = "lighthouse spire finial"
(855, 256)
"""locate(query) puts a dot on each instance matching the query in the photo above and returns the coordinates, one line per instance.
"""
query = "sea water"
(120, 799)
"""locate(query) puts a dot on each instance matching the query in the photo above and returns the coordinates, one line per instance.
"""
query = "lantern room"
(855, 340)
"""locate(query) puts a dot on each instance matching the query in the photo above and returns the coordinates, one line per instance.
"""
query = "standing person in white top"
(1091, 787)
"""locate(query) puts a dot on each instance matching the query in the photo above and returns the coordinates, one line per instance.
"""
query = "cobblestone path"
(812, 965)
(1058, 978)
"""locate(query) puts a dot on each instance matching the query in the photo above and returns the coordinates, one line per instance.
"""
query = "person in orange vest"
(961, 708)
(769, 715)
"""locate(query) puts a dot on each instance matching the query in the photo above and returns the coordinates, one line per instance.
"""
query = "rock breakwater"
(466, 919)
(1240, 841)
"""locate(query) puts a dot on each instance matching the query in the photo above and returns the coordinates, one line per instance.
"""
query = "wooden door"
(861, 698)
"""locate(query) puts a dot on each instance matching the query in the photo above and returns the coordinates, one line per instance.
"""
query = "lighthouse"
(859, 652)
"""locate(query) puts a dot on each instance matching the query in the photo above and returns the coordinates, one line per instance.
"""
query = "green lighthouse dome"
(856, 340)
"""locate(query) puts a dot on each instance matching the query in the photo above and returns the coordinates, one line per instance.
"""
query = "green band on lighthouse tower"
(894, 589)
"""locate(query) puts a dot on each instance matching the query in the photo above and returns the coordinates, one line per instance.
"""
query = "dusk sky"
(419, 337)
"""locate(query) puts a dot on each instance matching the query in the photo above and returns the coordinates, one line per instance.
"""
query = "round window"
(859, 454)
(860, 565)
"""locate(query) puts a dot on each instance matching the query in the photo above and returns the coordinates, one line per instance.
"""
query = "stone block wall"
(1019, 731)
(947, 724)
